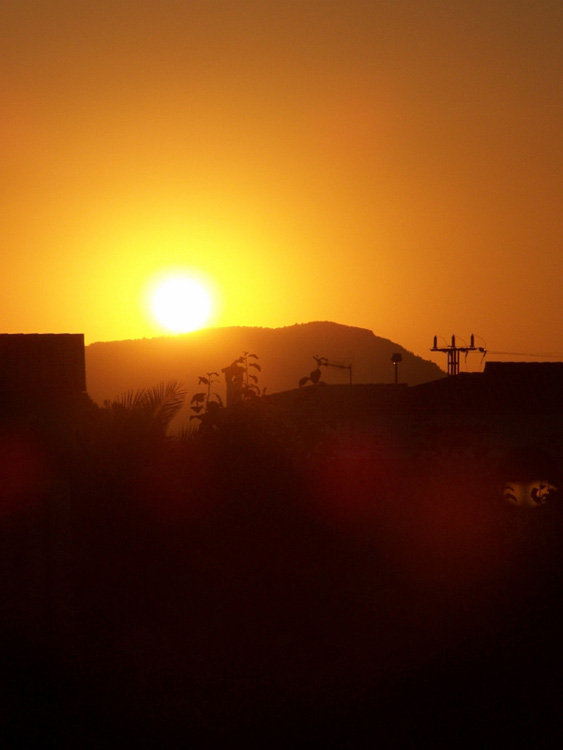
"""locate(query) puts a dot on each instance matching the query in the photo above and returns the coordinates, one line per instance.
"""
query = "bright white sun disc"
(181, 305)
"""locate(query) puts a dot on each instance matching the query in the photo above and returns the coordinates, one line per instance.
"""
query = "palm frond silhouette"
(154, 408)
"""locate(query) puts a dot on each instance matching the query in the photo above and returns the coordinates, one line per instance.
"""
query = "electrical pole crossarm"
(454, 351)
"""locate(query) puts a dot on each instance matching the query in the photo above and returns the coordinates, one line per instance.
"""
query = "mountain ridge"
(285, 355)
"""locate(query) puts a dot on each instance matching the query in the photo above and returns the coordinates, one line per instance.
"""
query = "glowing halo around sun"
(181, 304)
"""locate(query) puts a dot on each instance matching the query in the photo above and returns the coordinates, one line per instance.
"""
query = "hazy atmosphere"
(390, 165)
(242, 502)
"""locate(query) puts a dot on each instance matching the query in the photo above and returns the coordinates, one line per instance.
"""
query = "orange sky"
(396, 165)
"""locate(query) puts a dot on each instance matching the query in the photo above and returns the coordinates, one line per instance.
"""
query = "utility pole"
(396, 358)
(454, 351)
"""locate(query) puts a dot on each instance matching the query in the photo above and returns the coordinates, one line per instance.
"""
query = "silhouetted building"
(504, 387)
(42, 395)
(48, 363)
(38, 371)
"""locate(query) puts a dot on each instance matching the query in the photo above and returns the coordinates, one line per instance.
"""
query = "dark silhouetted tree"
(206, 404)
(147, 410)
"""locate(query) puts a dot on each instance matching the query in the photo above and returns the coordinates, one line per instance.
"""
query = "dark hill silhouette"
(285, 356)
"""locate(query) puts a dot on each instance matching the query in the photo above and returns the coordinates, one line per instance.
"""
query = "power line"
(556, 355)
(453, 351)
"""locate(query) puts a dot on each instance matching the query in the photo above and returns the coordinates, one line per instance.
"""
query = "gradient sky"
(394, 164)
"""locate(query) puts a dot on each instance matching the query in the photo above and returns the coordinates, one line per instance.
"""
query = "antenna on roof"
(454, 351)
(323, 361)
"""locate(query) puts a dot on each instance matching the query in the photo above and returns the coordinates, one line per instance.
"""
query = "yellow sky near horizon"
(394, 165)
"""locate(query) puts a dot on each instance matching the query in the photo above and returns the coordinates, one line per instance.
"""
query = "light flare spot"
(181, 304)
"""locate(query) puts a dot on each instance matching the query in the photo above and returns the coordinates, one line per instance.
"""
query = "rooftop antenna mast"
(454, 351)
(323, 362)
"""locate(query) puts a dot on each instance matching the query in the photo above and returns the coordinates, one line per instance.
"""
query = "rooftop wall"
(46, 364)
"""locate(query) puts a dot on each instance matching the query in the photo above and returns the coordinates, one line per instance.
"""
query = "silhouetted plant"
(242, 383)
(152, 408)
(314, 376)
(250, 380)
(206, 403)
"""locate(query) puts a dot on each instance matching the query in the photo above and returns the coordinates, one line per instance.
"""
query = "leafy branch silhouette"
(314, 376)
(206, 403)
(250, 388)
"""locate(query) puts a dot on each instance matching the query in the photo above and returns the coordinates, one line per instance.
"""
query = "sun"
(181, 304)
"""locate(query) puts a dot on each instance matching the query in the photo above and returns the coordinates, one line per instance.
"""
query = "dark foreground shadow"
(249, 588)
